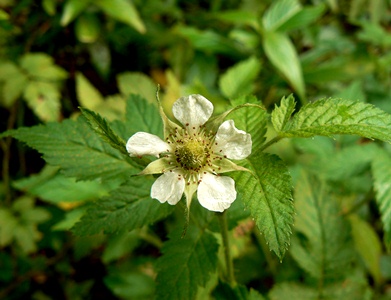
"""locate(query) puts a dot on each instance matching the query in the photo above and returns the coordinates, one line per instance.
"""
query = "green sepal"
(158, 166)
(169, 126)
(225, 165)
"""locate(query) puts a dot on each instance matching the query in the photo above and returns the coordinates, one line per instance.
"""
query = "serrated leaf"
(282, 114)
(44, 99)
(126, 208)
(336, 116)
(279, 13)
(51, 186)
(252, 120)
(72, 144)
(104, 131)
(124, 11)
(267, 195)
(283, 55)
(186, 264)
(140, 115)
(137, 83)
(239, 79)
(381, 168)
(324, 248)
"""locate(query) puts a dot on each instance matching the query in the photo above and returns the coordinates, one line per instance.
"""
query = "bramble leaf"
(267, 195)
(279, 13)
(381, 167)
(322, 247)
(252, 120)
(126, 208)
(282, 114)
(77, 149)
(336, 116)
(186, 264)
(103, 129)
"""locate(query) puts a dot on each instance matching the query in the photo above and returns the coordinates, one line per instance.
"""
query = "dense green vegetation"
(309, 80)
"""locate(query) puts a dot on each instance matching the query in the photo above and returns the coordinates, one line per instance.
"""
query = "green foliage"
(80, 224)
(19, 223)
(126, 208)
(186, 264)
(381, 173)
(37, 79)
(267, 194)
(334, 116)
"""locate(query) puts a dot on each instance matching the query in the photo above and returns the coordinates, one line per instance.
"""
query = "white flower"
(193, 155)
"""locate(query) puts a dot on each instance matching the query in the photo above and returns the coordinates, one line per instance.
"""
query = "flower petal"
(168, 188)
(234, 143)
(194, 110)
(143, 143)
(216, 193)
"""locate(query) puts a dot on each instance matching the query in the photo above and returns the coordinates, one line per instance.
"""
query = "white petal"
(168, 188)
(143, 143)
(234, 143)
(194, 110)
(216, 193)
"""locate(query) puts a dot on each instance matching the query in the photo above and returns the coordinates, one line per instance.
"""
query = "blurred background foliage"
(56, 55)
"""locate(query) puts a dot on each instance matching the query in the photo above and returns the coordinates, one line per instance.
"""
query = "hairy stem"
(227, 253)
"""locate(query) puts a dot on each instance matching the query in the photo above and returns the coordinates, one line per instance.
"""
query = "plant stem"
(227, 253)
(269, 143)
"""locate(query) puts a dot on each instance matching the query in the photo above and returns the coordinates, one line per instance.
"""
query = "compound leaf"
(282, 114)
(336, 116)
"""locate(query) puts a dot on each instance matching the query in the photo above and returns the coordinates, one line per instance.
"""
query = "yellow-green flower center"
(191, 153)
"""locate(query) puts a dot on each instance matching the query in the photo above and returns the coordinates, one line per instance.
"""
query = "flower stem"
(227, 253)
(271, 142)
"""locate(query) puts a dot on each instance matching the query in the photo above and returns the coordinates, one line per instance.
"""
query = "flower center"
(191, 153)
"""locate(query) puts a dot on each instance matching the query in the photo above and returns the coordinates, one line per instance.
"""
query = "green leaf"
(239, 79)
(140, 115)
(381, 168)
(282, 114)
(103, 129)
(72, 9)
(126, 208)
(137, 83)
(186, 264)
(321, 245)
(124, 11)
(336, 116)
(283, 55)
(303, 18)
(44, 99)
(368, 245)
(267, 195)
(15, 83)
(292, 291)
(87, 95)
(51, 186)
(72, 144)
(87, 28)
(252, 120)
(279, 13)
(41, 66)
